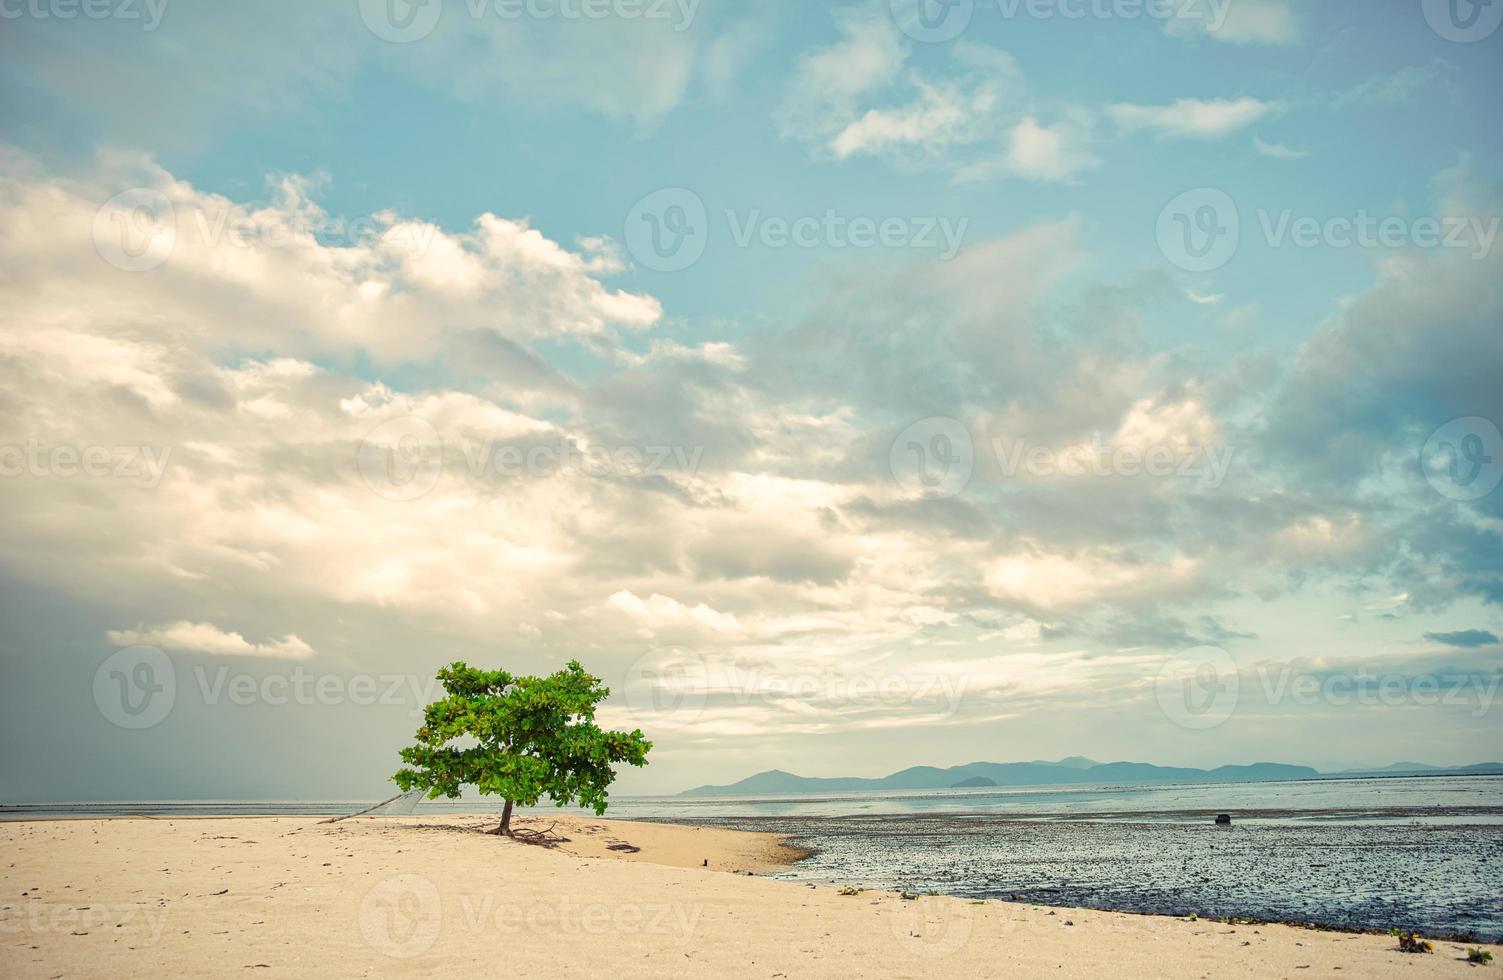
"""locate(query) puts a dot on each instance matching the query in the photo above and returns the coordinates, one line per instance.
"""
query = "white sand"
(421, 896)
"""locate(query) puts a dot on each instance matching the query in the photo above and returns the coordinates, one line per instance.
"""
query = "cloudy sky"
(850, 387)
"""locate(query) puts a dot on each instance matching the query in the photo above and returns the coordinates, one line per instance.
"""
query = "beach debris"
(623, 846)
(1412, 942)
(1223, 819)
(543, 838)
(1481, 956)
(907, 896)
(848, 890)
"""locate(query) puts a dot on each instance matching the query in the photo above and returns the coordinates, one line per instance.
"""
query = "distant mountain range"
(1074, 770)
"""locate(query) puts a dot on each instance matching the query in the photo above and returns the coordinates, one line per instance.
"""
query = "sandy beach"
(426, 896)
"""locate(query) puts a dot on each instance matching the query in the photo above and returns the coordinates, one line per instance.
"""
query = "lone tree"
(526, 737)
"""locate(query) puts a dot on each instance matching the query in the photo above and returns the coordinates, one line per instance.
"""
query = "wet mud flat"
(1443, 880)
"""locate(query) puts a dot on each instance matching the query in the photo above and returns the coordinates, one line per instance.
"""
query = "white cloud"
(1194, 118)
(823, 96)
(937, 117)
(1238, 21)
(285, 59)
(1055, 153)
(393, 287)
(207, 638)
(1054, 582)
(658, 612)
(1393, 88)
(1278, 151)
(859, 97)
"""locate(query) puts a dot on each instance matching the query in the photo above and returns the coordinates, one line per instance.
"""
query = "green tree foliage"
(524, 737)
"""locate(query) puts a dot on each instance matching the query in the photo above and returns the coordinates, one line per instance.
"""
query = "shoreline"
(412, 895)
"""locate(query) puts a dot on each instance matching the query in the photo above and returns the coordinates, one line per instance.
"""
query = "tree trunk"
(505, 829)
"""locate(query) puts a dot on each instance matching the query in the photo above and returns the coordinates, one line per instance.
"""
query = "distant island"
(1071, 771)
